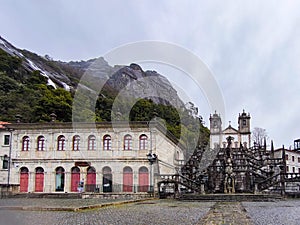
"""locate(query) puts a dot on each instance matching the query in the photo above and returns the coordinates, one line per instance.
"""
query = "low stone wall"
(8, 190)
(116, 195)
(84, 195)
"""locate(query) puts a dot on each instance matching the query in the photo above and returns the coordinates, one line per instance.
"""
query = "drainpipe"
(9, 158)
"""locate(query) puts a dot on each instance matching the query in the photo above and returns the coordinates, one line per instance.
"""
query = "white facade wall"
(117, 158)
(292, 160)
(4, 154)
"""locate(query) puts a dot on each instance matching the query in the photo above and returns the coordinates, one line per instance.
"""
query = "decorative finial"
(18, 118)
(53, 117)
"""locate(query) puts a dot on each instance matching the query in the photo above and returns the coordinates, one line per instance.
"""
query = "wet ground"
(46, 211)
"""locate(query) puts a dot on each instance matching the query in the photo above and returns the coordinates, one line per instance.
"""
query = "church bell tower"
(244, 129)
(215, 130)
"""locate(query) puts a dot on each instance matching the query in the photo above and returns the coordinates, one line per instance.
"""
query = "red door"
(75, 179)
(39, 179)
(24, 175)
(143, 179)
(127, 179)
(39, 182)
(91, 180)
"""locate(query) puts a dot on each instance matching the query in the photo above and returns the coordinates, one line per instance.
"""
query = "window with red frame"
(76, 142)
(41, 143)
(91, 142)
(25, 143)
(107, 142)
(143, 142)
(127, 142)
(61, 142)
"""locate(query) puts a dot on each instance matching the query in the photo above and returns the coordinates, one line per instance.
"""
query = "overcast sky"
(251, 47)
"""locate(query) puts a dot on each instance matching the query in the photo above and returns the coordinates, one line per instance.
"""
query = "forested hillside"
(34, 95)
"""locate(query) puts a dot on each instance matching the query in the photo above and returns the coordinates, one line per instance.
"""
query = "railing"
(179, 162)
(169, 177)
(180, 179)
(292, 177)
(271, 181)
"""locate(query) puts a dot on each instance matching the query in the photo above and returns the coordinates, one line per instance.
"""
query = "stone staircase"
(231, 197)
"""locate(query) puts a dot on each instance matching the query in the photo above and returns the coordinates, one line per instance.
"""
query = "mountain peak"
(148, 84)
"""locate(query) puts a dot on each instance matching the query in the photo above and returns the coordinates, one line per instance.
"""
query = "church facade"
(91, 157)
(241, 136)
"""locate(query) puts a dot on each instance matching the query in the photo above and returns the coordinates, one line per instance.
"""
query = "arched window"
(61, 141)
(107, 179)
(91, 142)
(25, 143)
(143, 142)
(41, 143)
(107, 142)
(127, 142)
(76, 141)
(5, 162)
(59, 179)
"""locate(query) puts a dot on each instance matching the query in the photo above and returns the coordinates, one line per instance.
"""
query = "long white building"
(56, 157)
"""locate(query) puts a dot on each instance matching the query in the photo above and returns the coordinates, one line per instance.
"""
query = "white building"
(292, 159)
(4, 153)
(242, 135)
(292, 165)
(55, 157)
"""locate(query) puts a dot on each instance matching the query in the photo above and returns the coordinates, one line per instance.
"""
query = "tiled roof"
(2, 124)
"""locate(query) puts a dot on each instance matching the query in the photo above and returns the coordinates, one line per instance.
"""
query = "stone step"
(47, 195)
(230, 197)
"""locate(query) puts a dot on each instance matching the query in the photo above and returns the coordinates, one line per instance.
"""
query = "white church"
(241, 135)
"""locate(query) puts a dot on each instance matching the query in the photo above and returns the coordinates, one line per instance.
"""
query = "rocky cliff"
(131, 79)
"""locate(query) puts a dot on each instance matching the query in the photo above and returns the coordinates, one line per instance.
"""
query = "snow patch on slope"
(44, 73)
(66, 87)
(9, 49)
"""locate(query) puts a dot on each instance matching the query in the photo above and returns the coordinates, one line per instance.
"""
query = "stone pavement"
(154, 211)
(226, 213)
(151, 212)
(52, 204)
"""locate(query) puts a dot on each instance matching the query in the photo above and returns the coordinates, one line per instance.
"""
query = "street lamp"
(151, 158)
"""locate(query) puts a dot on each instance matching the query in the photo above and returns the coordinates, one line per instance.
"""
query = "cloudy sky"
(251, 47)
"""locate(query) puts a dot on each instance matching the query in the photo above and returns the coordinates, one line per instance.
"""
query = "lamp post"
(151, 158)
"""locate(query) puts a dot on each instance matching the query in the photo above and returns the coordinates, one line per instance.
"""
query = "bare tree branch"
(258, 135)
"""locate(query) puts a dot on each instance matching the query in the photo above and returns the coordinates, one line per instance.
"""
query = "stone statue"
(229, 184)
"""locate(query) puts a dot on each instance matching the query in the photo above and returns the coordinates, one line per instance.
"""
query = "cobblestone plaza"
(49, 211)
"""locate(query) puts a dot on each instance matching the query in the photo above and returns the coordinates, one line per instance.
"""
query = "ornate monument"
(229, 181)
